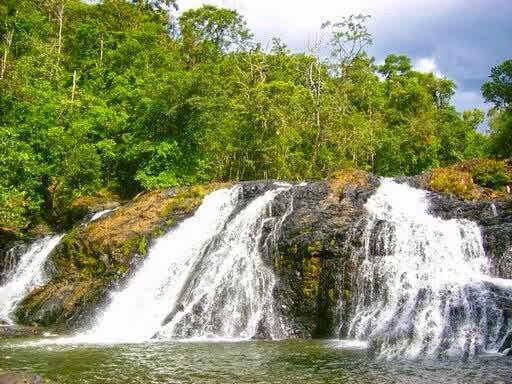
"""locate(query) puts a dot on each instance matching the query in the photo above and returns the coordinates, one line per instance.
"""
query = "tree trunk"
(73, 90)
(8, 42)
(60, 15)
(101, 50)
(317, 96)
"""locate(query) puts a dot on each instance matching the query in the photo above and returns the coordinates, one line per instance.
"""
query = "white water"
(230, 292)
(209, 261)
(422, 287)
(26, 276)
(100, 214)
(494, 210)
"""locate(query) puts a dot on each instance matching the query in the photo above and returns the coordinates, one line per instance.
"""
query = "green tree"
(222, 27)
(499, 89)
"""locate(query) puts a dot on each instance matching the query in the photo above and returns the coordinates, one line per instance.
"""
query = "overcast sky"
(460, 39)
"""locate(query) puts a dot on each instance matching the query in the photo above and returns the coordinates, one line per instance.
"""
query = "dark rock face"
(507, 343)
(313, 262)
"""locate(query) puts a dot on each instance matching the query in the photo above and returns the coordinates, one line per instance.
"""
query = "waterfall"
(204, 278)
(494, 210)
(10, 262)
(422, 286)
(27, 274)
(230, 294)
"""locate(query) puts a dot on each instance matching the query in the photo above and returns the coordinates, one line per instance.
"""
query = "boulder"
(20, 378)
(12, 331)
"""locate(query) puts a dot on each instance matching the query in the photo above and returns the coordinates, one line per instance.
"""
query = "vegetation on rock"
(90, 258)
(471, 180)
(351, 177)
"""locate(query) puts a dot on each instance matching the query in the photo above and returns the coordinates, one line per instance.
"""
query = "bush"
(349, 176)
(491, 174)
(458, 183)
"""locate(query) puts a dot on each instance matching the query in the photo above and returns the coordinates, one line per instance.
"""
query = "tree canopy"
(101, 96)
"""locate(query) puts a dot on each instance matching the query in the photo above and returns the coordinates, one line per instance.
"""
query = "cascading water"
(422, 286)
(205, 278)
(26, 275)
(10, 262)
(230, 292)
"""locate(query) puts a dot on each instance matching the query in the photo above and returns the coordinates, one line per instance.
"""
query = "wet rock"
(313, 254)
(262, 332)
(507, 344)
(14, 331)
(252, 189)
(20, 378)
(178, 308)
(95, 258)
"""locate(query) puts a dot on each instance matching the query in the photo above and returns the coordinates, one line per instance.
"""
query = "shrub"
(350, 176)
(491, 174)
(458, 183)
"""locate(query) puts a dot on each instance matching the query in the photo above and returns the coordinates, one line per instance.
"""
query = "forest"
(124, 96)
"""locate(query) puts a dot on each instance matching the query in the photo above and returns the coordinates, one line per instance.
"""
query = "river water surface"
(239, 362)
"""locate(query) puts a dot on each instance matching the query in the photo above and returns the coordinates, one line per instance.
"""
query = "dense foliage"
(498, 90)
(117, 95)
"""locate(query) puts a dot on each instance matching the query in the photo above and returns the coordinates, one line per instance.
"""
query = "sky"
(459, 39)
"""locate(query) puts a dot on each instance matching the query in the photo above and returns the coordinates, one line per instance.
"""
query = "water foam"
(423, 284)
(27, 275)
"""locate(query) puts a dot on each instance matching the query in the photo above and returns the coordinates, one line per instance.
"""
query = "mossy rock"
(311, 268)
(492, 174)
(355, 178)
(92, 258)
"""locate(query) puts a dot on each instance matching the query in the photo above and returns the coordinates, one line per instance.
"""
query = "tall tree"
(498, 90)
(224, 28)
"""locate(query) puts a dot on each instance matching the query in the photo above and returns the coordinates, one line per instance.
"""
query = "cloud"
(428, 65)
(465, 100)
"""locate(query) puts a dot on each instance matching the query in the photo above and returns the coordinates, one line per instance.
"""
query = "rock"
(262, 332)
(314, 251)
(20, 378)
(507, 344)
(178, 308)
(93, 259)
(13, 331)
